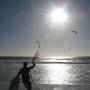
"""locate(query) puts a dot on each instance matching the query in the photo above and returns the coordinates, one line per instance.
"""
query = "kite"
(75, 32)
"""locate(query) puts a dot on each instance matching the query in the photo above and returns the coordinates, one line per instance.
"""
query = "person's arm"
(32, 66)
(33, 61)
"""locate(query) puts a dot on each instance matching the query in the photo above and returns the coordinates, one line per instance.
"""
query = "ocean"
(49, 74)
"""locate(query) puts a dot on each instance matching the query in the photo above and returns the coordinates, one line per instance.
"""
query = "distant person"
(24, 72)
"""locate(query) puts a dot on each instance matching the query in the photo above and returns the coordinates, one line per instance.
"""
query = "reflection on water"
(57, 73)
(50, 73)
(73, 74)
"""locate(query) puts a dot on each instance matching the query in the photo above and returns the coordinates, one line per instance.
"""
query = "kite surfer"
(24, 72)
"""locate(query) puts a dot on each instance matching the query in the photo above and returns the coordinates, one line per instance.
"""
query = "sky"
(23, 22)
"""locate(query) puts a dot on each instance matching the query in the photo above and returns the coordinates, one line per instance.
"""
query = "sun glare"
(57, 57)
(58, 15)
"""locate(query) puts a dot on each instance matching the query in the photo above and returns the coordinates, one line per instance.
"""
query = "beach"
(49, 87)
(52, 76)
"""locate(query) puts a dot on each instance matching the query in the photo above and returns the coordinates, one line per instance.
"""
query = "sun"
(58, 15)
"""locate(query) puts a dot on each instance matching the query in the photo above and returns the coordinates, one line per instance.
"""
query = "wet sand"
(59, 87)
(5, 86)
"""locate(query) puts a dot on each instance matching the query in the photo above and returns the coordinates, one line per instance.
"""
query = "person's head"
(25, 64)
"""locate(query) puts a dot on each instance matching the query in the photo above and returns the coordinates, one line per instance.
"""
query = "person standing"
(24, 72)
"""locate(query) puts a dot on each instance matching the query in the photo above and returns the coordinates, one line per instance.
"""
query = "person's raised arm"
(33, 61)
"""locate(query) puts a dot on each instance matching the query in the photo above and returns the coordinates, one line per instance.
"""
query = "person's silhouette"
(24, 72)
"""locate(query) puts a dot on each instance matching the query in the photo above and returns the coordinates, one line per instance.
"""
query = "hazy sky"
(22, 22)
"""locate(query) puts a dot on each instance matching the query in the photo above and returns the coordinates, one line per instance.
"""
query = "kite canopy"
(38, 43)
(75, 32)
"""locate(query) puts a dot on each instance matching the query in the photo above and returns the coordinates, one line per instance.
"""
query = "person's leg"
(27, 85)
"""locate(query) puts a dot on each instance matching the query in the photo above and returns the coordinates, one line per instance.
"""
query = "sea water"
(61, 72)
